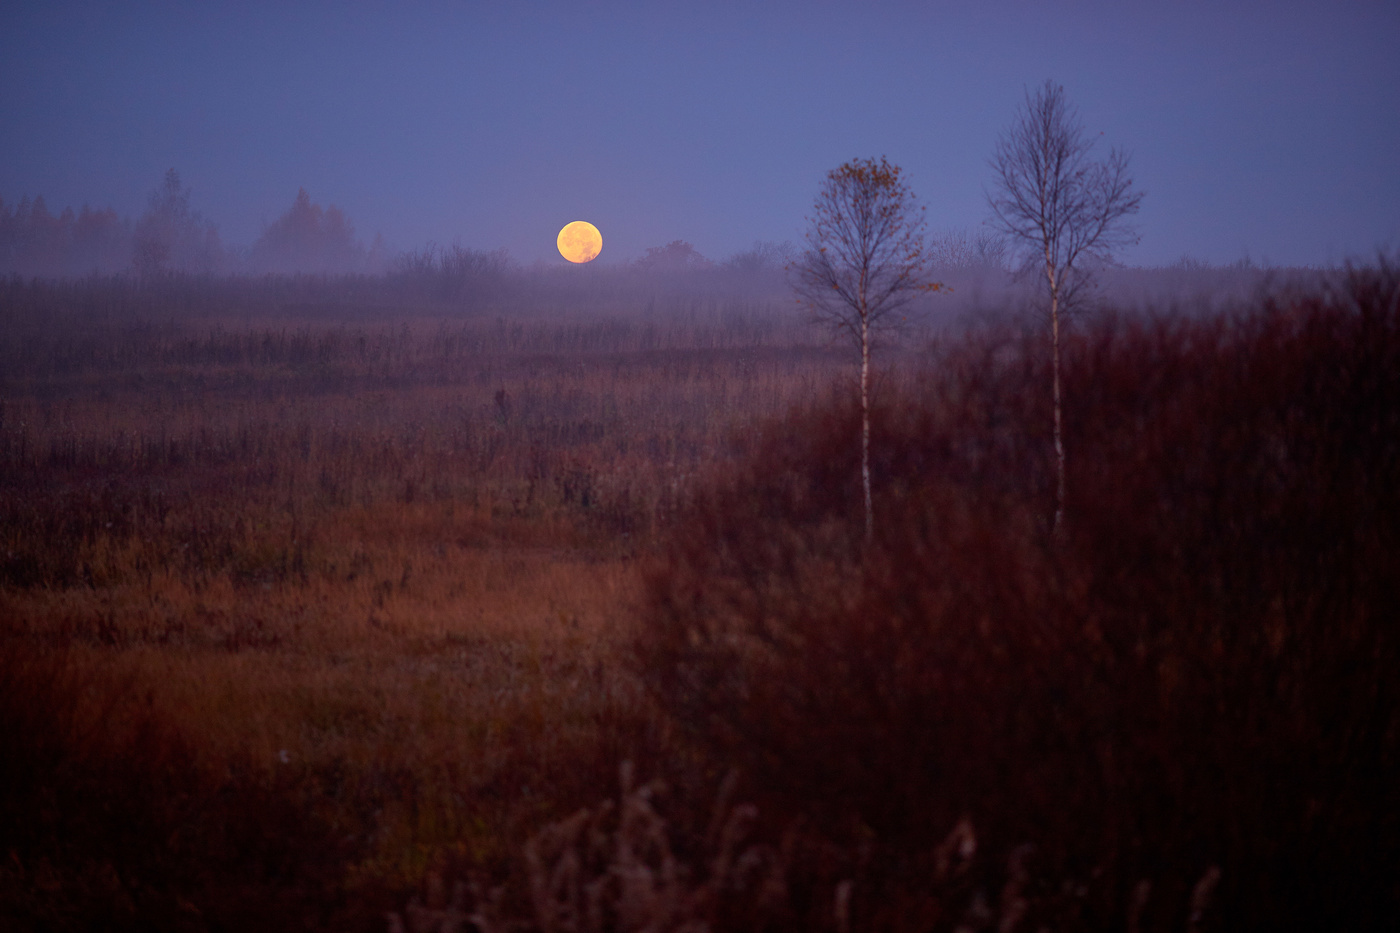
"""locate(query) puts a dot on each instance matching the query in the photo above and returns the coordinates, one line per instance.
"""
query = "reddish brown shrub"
(1192, 684)
(109, 821)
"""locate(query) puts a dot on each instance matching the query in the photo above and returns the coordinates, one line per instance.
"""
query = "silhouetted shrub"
(1190, 690)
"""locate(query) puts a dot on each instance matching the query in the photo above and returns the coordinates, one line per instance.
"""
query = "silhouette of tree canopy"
(763, 256)
(676, 256)
(172, 237)
(962, 249)
(308, 238)
(33, 242)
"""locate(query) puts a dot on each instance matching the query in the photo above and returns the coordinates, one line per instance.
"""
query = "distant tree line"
(172, 237)
(35, 242)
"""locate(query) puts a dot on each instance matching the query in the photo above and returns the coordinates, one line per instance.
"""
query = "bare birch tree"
(864, 260)
(1067, 209)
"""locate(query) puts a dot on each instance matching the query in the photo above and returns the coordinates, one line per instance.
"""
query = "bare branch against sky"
(865, 259)
(1066, 210)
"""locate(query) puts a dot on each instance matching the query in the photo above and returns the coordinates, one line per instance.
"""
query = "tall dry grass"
(363, 584)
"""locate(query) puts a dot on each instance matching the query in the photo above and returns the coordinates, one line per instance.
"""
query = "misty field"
(362, 603)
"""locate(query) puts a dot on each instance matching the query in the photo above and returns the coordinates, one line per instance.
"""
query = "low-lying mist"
(417, 562)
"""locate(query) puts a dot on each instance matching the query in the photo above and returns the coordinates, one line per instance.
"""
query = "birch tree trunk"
(865, 427)
(865, 260)
(1055, 379)
(1065, 206)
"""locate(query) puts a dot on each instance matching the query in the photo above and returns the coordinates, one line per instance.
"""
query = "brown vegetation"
(371, 575)
(300, 615)
(1190, 685)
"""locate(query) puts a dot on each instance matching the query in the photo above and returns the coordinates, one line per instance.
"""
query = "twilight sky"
(1261, 129)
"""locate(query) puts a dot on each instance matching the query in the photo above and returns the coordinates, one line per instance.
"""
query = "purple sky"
(1270, 130)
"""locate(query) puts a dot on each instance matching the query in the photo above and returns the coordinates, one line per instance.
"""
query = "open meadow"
(378, 570)
(318, 595)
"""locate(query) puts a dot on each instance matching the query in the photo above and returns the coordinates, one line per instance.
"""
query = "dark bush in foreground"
(1180, 712)
(108, 820)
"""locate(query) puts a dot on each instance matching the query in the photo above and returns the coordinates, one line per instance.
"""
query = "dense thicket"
(1186, 695)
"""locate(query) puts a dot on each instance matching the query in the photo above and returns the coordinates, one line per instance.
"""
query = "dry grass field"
(313, 604)
(383, 568)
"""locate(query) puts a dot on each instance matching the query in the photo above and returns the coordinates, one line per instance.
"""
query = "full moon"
(580, 241)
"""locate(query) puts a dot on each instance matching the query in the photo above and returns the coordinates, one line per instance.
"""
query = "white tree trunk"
(865, 425)
(1055, 377)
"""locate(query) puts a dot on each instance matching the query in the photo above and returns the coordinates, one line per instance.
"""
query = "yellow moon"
(580, 241)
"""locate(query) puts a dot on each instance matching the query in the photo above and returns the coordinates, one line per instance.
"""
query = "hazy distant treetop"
(33, 242)
(308, 238)
(763, 256)
(962, 249)
(171, 237)
(676, 256)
